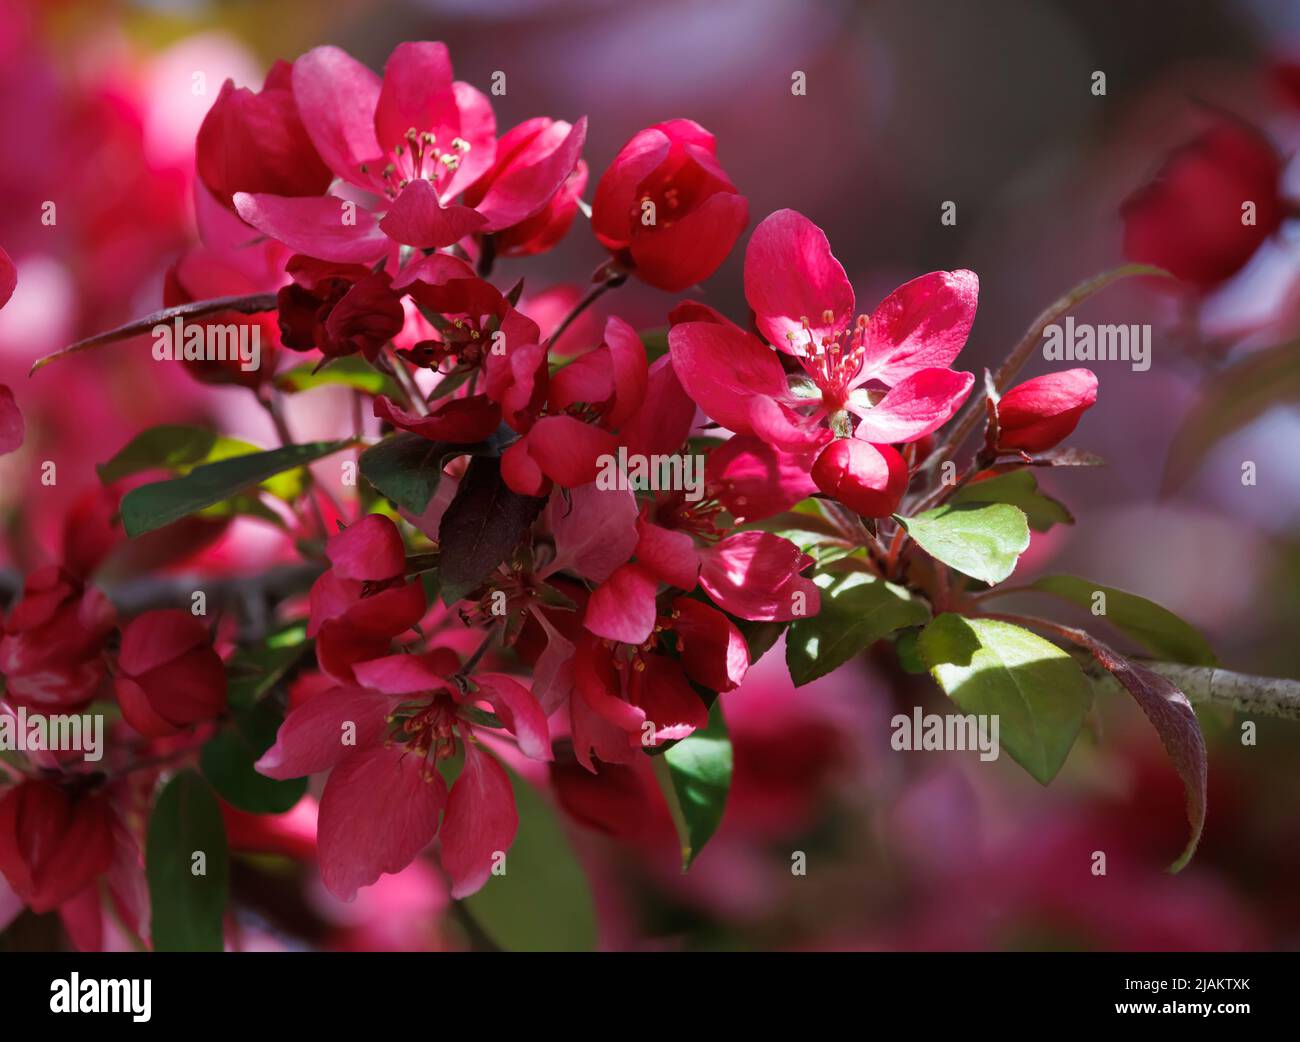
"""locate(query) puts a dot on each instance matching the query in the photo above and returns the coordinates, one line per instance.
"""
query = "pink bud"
(1039, 413)
(869, 479)
(52, 843)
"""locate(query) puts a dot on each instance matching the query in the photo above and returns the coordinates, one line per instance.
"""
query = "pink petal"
(524, 190)
(314, 225)
(553, 671)
(755, 575)
(913, 408)
(687, 251)
(670, 704)
(791, 277)
(623, 607)
(616, 191)
(336, 97)
(722, 369)
(627, 369)
(368, 549)
(594, 530)
(379, 810)
(313, 736)
(519, 711)
(784, 429)
(417, 93)
(663, 422)
(714, 652)
(8, 278)
(754, 480)
(457, 420)
(478, 127)
(567, 450)
(670, 556)
(921, 325)
(418, 219)
(12, 427)
(402, 674)
(480, 823)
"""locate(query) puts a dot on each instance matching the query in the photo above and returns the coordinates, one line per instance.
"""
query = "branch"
(245, 305)
(1205, 685)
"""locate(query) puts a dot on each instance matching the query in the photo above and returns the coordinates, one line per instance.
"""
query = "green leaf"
(1235, 397)
(168, 447)
(857, 610)
(699, 772)
(187, 907)
(158, 504)
(251, 673)
(408, 468)
(228, 757)
(543, 901)
(1020, 489)
(349, 371)
(980, 541)
(1037, 691)
(759, 636)
(1156, 628)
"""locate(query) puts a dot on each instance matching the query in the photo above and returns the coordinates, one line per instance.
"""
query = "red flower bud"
(53, 843)
(168, 676)
(869, 479)
(1039, 413)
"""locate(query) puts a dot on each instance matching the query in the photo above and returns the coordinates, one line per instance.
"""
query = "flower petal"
(791, 277)
(921, 403)
(755, 575)
(317, 225)
(480, 823)
(379, 810)
(336, 97)
(324, 729)
(921, 325)
(723, 369)
(623, 607)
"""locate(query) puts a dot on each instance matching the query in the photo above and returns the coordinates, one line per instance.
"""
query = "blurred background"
(909, 104)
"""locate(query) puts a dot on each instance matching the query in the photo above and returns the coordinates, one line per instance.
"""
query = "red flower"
(383, 744)
(255, 141)
(883, 379)
(53, 842)
(360, 604)
(1042, 412)
(52, 651)
(168, 675)
(666, 209)
(1191, 219)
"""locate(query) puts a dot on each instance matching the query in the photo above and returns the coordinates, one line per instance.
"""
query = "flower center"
(832, 361)
(428, 730)
(419, 157)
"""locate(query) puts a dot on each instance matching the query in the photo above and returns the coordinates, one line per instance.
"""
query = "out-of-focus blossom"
(1209, 207)
(168, 676)
(53, 841)
(666, 209)
(52, 651)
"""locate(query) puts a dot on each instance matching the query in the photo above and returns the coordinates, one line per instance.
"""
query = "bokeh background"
(910, 103)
